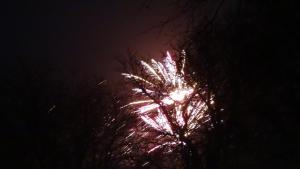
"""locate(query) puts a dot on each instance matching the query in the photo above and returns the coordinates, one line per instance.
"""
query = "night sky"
(54, 53)
(73, 40)
(59, 46)
(70, 43)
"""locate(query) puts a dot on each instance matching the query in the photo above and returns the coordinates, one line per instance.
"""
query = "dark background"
(54, 53)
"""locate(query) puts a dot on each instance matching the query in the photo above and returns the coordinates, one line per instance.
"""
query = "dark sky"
(52, 48)
(77, 40)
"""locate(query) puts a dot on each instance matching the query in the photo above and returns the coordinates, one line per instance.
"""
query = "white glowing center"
(180, 94)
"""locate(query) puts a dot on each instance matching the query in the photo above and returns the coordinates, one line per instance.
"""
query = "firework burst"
(166, 101)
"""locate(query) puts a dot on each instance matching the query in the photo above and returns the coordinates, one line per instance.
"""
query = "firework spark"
(165, 100)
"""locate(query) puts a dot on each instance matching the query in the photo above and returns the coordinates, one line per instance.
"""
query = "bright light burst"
(166, 101)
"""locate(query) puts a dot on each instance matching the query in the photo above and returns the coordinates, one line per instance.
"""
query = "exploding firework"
(166, 101)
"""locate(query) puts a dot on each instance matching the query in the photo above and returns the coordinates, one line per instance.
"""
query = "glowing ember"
(165, 101)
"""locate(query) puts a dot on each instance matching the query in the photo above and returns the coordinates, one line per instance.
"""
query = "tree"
(247, 52)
